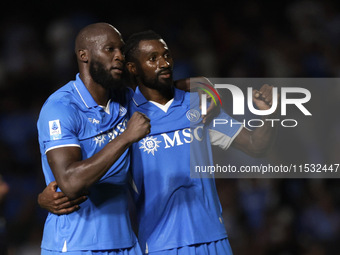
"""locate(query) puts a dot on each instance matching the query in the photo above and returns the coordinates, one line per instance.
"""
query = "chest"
(97, 128)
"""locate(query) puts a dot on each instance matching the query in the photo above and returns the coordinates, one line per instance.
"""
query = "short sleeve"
(223, 129)
(57, 126)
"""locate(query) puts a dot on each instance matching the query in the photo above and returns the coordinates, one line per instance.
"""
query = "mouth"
(165, 74)
(117, 69)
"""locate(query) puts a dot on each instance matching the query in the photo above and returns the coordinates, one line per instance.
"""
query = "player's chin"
(117, 76)
(167, 81)
(117, 83)
(116, 73)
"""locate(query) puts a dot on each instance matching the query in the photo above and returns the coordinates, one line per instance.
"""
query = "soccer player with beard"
(178, 214)
(84, 138)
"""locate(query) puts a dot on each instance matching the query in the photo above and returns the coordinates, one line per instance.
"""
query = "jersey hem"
(179, 245)
(102, 247)
(61, 146)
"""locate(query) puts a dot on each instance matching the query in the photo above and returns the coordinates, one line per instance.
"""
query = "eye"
(109, 48)
(153, 58)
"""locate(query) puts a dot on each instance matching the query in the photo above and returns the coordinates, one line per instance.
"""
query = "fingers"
(57, 202)
(60, 197)
(79, 200)
(140, 117)
(147, 122)
(64, 205)
(146, 117)
(64, 202)
(265, 94)
(138, 127)
(53, 185)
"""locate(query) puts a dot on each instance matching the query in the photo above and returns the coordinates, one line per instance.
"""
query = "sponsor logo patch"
(55, 129)
(149, 144)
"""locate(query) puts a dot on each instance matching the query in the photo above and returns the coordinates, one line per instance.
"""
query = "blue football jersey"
(174, 209)
(71, 117)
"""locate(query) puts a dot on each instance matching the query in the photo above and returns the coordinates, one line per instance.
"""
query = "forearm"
(257, 143)
(262, 139)
(56, 202)
(190, 83)
(77, 177)
(183, 84)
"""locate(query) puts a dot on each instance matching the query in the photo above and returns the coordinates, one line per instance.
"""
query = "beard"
(103, 77)
(163, 86)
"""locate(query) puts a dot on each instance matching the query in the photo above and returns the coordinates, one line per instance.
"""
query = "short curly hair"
(131, 45)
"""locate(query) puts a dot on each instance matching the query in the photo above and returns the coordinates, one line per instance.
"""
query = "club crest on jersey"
(193, 115)
(122, 111)
(55, 129)
(150, 144)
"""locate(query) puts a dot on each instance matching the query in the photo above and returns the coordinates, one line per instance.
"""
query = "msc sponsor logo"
(100, 139)
(150, 144)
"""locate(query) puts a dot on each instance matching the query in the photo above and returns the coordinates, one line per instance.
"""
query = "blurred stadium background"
(216, 39)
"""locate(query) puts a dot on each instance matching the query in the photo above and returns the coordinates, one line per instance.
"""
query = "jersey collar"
(83, 93)
(139, 99)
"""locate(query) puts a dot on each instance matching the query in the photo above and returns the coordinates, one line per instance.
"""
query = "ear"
(131, 67)
(82, 55)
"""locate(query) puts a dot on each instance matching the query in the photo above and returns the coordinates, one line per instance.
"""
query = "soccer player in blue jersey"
(178, 214)
(84, 136)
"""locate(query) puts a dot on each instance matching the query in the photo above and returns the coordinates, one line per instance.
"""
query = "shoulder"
(61, 101)
(63, 94)
(190, 98)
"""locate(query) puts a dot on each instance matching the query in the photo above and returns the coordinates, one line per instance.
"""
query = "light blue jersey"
(173, 209)
(71, 117)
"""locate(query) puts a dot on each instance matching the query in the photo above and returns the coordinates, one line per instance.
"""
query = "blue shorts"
(213, 248)
(135, 250)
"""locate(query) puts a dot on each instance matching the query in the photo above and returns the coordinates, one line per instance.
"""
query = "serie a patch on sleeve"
(55, 129)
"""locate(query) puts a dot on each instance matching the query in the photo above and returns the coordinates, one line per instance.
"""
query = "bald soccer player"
(84, 138)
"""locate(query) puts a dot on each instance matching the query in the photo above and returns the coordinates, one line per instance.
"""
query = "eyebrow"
(159, 53)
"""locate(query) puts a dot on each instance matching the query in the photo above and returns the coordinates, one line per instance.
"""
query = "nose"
(163, 63)
(119, 55)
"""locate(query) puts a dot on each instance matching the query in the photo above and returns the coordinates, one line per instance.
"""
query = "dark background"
(210, 38)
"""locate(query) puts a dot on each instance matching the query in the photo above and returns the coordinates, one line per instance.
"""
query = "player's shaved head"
(89, 34)
(100, 60)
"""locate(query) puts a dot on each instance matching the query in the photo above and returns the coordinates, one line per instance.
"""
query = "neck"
(155, 95)
(98, 92)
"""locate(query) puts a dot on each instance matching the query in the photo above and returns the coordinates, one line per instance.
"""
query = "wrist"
(125, 138)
